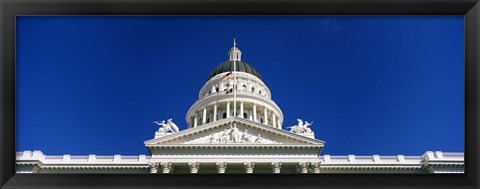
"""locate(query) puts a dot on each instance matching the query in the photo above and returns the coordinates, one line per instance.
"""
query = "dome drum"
(246, 83)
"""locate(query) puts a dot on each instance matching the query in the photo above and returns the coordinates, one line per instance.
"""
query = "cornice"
(235, 146)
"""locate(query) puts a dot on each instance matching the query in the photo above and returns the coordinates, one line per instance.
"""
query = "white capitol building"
(236, 127)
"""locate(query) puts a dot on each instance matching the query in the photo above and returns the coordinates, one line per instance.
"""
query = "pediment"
(233, 131)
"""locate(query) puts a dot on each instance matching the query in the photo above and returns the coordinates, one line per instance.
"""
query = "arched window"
(244, 87)
(224, 115)
(208, 120)
(259, 92)
(253, 89)
(261, 120)
(245, 115)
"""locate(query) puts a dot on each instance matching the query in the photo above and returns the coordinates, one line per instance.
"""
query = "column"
(204, 115)
(254, 112)
(195, 120)
(276, 166)
(265, 115)
(228, 109)
(278, 124)
(241, 109)
(273, 120)
(215, 112)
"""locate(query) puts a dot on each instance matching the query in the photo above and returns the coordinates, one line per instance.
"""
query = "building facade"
(236, 127)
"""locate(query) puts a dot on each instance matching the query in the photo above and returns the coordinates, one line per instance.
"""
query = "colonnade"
(246, 110)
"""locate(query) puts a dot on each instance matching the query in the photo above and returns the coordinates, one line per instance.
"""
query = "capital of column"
(249, 166)
(221, 167)
(315, 167)
(153, 167)
(194, 166)
(276, 166)
(303, 167)
(166, 167)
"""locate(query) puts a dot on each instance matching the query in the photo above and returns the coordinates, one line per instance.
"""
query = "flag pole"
(234, 81)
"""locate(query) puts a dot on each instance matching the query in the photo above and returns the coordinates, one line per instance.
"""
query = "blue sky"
(382, 85)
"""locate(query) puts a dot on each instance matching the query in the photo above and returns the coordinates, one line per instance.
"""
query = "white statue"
(164, 128)
(300, 122)
(173, 126)
(215, 138)
(229, 136)
(306, 128)
(301, 128)
(259, 139)
(210, 138)
(247, 137)
(235, 134)
(223, 137)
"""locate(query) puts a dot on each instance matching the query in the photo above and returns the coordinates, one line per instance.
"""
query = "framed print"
(253, 94)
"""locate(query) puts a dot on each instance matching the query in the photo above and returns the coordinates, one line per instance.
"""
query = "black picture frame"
(11, 8)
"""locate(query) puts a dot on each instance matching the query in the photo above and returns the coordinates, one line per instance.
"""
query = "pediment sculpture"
(231, 136)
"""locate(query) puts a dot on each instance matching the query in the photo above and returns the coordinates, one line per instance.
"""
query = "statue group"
(301, 128)
(234, 135)
(166, 127)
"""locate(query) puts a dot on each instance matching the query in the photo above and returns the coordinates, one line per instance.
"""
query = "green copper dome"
(227, 66)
